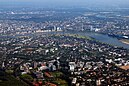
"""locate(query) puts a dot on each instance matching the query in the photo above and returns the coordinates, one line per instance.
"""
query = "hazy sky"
(66, 2)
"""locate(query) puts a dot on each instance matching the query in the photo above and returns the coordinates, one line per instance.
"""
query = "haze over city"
(65, 3)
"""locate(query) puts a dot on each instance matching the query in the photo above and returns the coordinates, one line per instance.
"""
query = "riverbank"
(125, 41)
(99, 37)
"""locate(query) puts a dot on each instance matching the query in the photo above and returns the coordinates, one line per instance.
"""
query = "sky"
(99, 3)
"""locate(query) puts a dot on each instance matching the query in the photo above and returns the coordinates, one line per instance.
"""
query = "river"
(100, 37)
(106, 39)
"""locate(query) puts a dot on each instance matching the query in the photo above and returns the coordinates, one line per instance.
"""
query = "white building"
(72, 66)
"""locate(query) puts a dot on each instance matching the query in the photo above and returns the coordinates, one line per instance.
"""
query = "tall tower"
(3, 65)
(82, 27)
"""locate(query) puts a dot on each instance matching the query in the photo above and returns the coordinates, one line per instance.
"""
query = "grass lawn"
(56, 74)
(60, 82)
